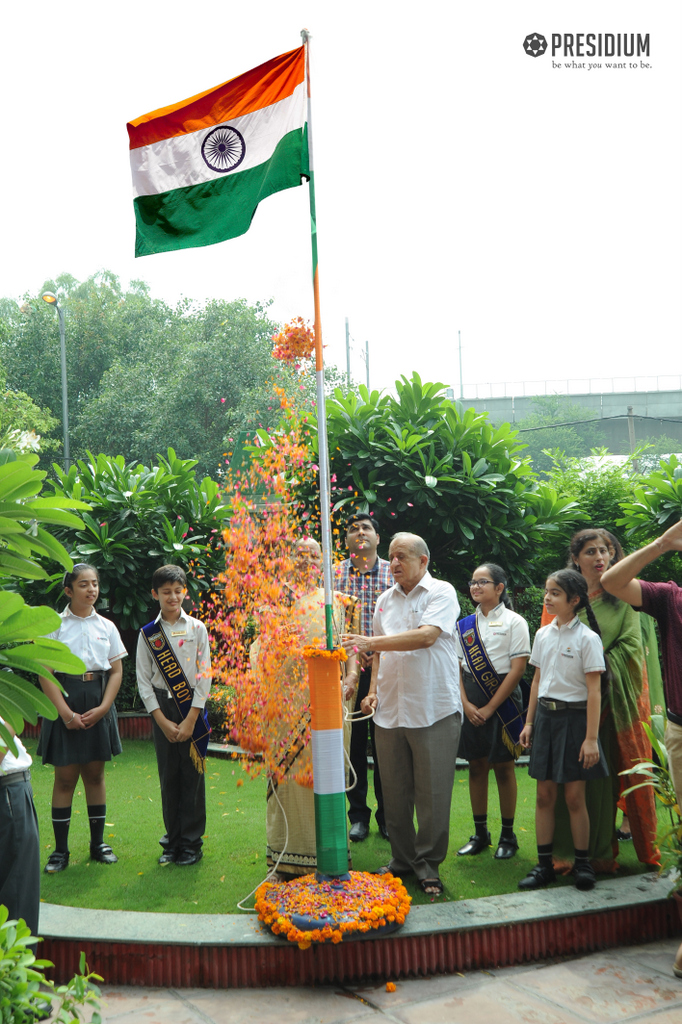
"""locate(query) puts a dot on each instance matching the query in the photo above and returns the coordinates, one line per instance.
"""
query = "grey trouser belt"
(562, 705)
(14, 777)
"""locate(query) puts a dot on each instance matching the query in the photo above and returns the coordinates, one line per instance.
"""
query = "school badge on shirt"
(469, 637)
(157, 641)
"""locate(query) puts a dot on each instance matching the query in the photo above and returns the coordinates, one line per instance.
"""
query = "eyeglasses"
(479, 583)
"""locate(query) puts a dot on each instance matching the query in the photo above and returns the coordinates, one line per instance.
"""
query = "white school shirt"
(415, 689)
(94, 639)
(564, 654)
(189, 641)
(11, 764)
(505, 635)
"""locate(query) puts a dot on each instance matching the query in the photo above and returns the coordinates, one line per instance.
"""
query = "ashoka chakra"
(223, 149)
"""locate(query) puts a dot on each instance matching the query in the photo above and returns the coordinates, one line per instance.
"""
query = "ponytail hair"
(79, 567)
(574, 584)
(498, 575)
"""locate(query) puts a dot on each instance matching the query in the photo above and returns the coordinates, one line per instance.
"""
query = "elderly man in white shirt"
(418, 710)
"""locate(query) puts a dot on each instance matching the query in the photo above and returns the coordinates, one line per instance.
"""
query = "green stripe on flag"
(330, 833)
(214, 211)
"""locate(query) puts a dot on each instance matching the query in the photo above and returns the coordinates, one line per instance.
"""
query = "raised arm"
(621, 580)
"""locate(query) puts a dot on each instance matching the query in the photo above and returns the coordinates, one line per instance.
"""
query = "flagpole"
(323, 454)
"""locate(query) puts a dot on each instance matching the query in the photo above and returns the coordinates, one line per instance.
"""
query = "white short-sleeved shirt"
(11, 764)
(505, 635)
(94, 639)
(415, 689)
(564, 654)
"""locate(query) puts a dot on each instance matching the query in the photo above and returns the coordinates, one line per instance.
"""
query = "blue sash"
(181, 692)
(487, 679)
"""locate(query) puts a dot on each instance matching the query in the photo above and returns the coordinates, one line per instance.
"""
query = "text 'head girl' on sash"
(493, 647)
(563, 721)
(85, 735)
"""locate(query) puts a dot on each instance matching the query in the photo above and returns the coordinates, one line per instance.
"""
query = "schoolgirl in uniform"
(563, 721)
(85, 735)
(505, 643)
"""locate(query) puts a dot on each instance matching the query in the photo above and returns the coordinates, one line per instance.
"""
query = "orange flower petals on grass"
(363, 903)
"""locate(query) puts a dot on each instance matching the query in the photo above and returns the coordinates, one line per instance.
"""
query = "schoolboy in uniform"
(174, 679)
(19, 841)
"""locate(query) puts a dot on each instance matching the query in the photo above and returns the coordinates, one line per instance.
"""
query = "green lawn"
(234, 849)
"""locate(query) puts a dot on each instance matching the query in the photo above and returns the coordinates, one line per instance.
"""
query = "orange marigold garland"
(295, 342)
(306, 911)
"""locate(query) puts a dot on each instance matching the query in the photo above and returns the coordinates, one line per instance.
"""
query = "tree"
(423, 464)
(144, 376)
(139, 518)
(572, 439)
(23, 423)
(655, 506)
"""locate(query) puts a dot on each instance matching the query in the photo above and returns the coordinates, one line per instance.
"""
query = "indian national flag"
(201, 167)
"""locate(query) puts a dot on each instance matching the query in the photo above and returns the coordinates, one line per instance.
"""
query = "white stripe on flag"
(178, 162)
(328, 768)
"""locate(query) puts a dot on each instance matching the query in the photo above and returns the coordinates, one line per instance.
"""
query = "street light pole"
(51, 299)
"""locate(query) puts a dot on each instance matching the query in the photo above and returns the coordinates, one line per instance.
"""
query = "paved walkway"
(633, 983)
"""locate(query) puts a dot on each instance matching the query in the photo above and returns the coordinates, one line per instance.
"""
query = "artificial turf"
(234, 847)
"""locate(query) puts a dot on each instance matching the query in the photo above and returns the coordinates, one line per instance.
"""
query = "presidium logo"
(589, 44)
(535, 44)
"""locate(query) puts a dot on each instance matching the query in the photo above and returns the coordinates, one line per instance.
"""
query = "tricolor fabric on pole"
(201, 167)
(329, 779)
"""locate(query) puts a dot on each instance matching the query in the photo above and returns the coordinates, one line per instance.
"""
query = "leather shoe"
(168, 857)
(537, 878)
(506, 848)
(358, 832)
(584, 876)
(476, 844)
(103, 853)
(187, 857)
(56, 862)
(384, 831)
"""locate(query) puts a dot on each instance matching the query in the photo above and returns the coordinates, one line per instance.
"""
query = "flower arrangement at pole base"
(312, 651)
(308, 910)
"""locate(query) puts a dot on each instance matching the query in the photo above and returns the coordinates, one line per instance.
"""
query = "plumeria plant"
(658, 776)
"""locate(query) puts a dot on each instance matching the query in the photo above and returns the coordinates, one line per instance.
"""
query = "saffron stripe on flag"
(262, 86)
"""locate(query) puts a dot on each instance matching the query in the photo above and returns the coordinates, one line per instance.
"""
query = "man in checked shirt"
(364, 576)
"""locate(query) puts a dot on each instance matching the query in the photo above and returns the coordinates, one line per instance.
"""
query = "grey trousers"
(19, 852)
(418, 772)
(183, 789)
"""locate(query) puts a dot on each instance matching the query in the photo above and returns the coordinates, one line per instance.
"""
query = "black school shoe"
(537, 878)
(187, 857)
(506, 848)
(476, 845)
(103, 853)
(168, 857)
(584, 876)
(56, 862)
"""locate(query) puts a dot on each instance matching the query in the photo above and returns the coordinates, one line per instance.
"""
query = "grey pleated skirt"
(557, 739)
(60, 746)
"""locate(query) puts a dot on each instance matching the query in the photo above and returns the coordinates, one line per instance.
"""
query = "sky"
(464, 189)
